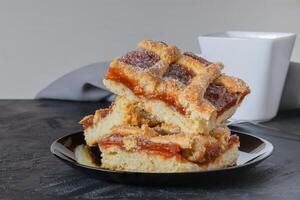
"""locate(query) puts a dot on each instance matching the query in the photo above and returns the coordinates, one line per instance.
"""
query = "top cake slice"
(181, 89)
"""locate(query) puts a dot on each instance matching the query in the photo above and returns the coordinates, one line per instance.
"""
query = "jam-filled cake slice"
(183, 90)
(147, 150)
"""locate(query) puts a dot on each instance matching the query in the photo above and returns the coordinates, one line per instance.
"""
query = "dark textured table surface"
(29, 171)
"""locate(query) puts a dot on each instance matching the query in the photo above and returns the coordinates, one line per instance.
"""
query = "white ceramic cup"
(259, 58)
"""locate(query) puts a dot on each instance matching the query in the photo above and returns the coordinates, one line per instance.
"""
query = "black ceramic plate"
(253, 150)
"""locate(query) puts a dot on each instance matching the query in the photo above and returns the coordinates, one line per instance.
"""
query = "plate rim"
(262, 157)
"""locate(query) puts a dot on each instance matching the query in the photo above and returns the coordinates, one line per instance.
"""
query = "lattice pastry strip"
(205, 73)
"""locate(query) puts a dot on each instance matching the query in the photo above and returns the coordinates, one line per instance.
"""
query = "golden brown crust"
(90, 120)
(87, 121)
(233, 85)
(168, 54)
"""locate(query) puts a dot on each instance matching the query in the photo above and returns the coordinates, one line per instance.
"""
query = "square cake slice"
(183, 90)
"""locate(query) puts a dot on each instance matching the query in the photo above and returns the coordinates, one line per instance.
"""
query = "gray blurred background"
(42, 40)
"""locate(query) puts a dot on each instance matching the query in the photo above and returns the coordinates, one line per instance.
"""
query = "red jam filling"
(166, 150)
(180, 73)
(220, 97)
(140, 58)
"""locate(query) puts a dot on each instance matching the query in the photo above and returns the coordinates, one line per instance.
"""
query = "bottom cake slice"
(117, 159)
(149, 151)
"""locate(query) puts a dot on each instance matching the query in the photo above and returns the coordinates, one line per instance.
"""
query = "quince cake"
(184, 90)
(168, 114)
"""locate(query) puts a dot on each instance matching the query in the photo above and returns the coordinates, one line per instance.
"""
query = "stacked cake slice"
(169, 112)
